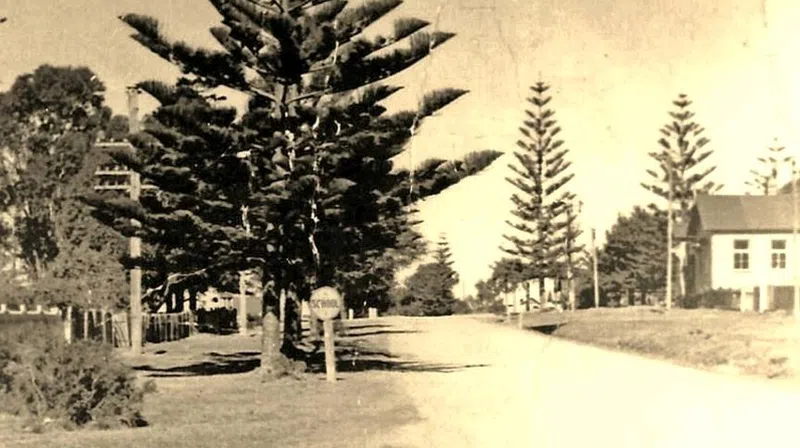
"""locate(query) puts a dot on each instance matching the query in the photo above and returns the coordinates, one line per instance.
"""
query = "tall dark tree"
(683, 153)
(632, 259)
(430, 287)
(48, 123)
(765, 177)
(302, 188)
(542, 204)
(443, 256)
(683, 166)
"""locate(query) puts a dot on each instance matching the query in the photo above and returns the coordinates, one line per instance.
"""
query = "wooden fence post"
(103, 325)
(68, 324)
(85, 324)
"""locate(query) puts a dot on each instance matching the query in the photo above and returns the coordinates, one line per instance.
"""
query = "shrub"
(216, 320)
(73, 385)
(461, 307)
(715, 298)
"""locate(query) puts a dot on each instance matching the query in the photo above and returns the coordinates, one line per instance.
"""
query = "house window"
(778, 254)
(741, 254)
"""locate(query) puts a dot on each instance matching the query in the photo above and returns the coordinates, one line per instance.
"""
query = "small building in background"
(516, 301)
(743, 243)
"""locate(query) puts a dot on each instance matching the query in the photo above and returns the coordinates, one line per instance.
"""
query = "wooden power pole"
(795, 277)
(136, 242)
(133, 186)
(594, 270)
(668, 298)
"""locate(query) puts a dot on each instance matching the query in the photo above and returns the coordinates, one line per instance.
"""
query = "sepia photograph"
(399, 223)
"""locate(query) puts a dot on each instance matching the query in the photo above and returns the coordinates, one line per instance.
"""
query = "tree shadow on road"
(360, 359)
(212, 364)
(546, 329)
(351, 356)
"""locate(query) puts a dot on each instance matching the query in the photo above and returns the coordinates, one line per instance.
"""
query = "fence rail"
(165, 327)
(112, 327)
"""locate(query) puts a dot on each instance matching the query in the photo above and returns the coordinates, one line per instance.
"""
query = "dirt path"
(488, 385)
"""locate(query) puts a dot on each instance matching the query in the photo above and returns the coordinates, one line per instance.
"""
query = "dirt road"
(488, 385)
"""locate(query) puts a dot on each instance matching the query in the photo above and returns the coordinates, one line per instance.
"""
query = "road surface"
(523, 389)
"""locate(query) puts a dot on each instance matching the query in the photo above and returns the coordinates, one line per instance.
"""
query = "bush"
(75, 385)
(715, 298)
(216, 320)
(461, 307)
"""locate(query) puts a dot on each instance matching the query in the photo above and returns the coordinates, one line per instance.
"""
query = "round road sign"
(325, 303)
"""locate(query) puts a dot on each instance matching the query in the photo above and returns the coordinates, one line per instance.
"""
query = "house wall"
(702, 266)
(760, 272)
(515, 301)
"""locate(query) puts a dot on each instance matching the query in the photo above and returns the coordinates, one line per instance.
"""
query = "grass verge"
(209, 395)
(765, 345)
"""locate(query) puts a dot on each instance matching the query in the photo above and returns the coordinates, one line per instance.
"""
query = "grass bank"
(209, 394)
(765, 345)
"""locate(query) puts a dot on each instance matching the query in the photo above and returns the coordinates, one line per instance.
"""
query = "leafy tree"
(765, 178)
(542, 205)
(632, 259)
(507, 274)
(302, 189)
(48, 123)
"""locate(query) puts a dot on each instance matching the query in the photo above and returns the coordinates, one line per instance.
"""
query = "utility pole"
(568, 249)
(136, 242)
(594, 269)
(134, 189)
(669, 233)
(795, 277)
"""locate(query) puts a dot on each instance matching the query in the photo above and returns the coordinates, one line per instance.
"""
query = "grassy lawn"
(209, 394)
(765, 345)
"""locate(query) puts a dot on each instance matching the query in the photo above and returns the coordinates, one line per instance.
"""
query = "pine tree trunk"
(193, 300)
(292, 331)
(273, 363)
(179, 301)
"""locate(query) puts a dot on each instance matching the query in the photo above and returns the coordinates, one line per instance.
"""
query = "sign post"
(326, 304)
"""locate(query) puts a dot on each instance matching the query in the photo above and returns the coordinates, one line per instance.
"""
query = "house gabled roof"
(718, 213)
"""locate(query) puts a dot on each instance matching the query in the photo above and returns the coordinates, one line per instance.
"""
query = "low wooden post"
(313, 324)
(102, 313)
(350, 314)
(330, 351)
(68, 324)
(326, 304)
(85, 324)
(97, 320)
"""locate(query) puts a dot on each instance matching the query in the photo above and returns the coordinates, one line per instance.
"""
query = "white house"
(515, 301)
(744, 243)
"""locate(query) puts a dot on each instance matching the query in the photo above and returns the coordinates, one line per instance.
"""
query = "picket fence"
(112, 327)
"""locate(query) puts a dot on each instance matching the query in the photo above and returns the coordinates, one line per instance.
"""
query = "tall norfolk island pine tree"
(680, 162)
(682, 152)
(543, 206)
(301, 189)
(765, 178)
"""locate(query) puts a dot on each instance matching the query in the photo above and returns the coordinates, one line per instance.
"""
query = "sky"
(614, 67)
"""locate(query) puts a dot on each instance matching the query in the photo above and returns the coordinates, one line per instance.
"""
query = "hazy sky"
(614, 66)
